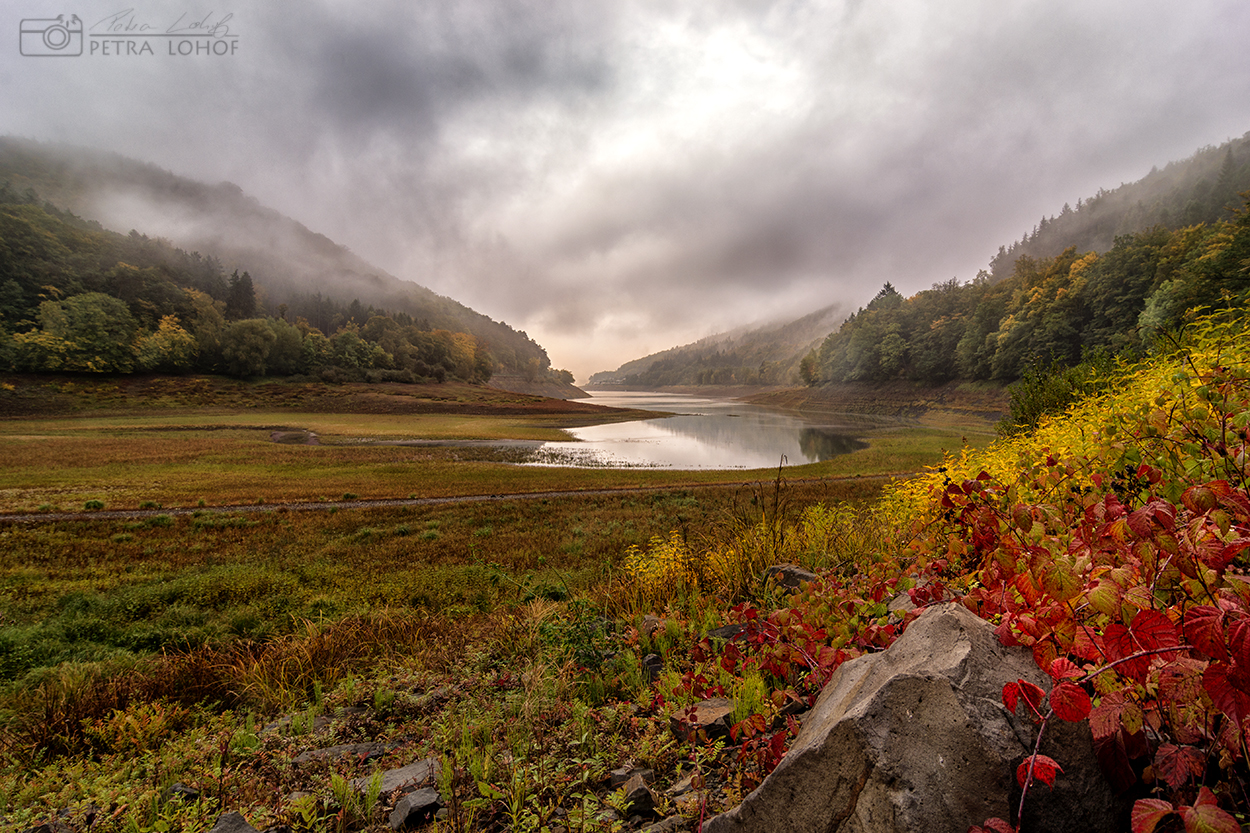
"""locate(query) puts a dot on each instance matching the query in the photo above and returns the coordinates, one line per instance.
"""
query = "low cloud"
(618, 178)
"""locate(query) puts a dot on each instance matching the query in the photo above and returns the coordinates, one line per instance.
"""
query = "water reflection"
(702, 434)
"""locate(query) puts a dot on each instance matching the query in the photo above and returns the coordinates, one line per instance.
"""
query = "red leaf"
(1139, 522)
(1104, 721)
(1148, 812)
(1226, 554)
(1044, 654)
(1239, 642)
(1204, 628)
(1070, 701)
(1177, 764)
(1154, 630)
(1084, 646)
(1011, 696)
(1044, 769)
(1118, 644)
(1207, 817)
(994, 825)
(1115, 761)
(1063, 668)
(1227, 697)
(1198, 499)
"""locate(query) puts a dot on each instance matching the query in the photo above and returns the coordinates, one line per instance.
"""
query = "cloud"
(617, 178)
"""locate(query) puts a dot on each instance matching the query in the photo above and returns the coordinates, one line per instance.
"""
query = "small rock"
(651, 624)
(415, 808)
(406, 778)
(672, 824)
(283, 724)
(710, 719)
(788, 576)
(683, 786)
(617, 777)
(725, 632)
(364, 751)
(181, 790)
(652, 667)
(432, 700)
(638, 795)
(232, 823)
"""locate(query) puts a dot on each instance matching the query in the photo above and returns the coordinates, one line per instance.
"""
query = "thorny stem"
(1091, 675)
(1028, 780)
(1050, 712)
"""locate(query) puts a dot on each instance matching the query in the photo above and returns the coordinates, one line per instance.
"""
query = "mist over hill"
(760, 355)
(1200, 189)
(294, 269)
(1106, 275)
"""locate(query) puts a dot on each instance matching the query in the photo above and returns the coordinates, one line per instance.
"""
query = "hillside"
(766, 355)
(1196, 190)
(296, 272)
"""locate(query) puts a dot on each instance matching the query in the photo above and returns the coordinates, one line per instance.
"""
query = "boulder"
(725, 632)
(916, 738)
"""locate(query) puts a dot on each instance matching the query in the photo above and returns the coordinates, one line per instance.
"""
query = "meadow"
(131, 646)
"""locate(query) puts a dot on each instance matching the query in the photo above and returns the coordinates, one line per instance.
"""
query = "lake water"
(701, 434)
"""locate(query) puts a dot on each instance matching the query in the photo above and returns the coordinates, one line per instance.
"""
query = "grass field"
(134, 633)
(128, 451)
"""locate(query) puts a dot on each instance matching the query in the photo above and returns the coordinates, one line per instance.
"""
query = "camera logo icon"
(52, 37)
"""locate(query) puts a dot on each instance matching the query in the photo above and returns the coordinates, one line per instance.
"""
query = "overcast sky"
(617, 178)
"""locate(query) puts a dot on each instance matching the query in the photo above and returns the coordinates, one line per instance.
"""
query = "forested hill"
(1200, 189)
(1063, 309)
(767, 355)
(295, 273)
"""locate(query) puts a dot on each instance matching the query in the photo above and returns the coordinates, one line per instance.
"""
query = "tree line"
(77, 298)
(1055, 310)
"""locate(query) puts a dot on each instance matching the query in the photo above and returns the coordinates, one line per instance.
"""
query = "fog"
(618, 178)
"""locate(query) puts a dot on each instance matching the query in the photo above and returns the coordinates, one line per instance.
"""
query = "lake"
(703, 433)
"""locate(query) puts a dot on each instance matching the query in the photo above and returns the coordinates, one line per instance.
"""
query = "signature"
(125, 23)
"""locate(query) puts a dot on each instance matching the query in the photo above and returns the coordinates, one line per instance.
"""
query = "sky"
(617, 178)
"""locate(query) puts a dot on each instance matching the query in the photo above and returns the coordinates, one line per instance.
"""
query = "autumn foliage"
(1111, 543)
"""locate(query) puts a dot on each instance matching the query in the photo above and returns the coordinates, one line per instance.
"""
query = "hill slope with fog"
(295, 271)
(764, 355)
(1103, 278)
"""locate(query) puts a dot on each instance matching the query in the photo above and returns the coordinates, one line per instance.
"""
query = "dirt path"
(311, 506)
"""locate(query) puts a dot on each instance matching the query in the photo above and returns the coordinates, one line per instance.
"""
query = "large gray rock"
(916, 738)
